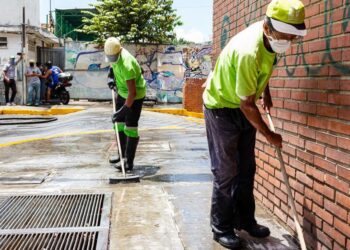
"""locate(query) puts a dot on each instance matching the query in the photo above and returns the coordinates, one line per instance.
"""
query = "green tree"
(181, 41)
(133, 21)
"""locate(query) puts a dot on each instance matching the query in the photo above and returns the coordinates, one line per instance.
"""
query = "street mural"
(165, 69)
(225, 31)
(252, 12)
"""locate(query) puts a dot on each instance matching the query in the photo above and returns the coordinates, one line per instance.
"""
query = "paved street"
(169, 209)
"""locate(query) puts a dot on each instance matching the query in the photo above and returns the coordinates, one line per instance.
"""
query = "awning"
(42, 34)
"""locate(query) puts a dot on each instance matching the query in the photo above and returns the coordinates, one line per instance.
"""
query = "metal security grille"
(67, 221)
(55, 55)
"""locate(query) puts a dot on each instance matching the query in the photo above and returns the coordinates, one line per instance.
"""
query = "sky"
(196, 15)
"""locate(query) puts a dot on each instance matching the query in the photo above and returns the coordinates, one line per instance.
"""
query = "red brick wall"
(192, 95)
(311, 94)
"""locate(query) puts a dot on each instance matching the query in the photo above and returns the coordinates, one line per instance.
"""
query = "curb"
(44, 112)
(181, 112)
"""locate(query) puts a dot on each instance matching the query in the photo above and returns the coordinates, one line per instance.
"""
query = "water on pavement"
(169, 209)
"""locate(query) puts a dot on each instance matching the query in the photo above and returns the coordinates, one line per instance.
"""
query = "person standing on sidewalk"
(9, 75)
(33, 73)
(51, 73)
(131, 87)
(232, 118)
(40, 66)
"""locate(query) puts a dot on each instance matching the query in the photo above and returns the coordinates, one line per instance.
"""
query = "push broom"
(289, 191)
(125, 178)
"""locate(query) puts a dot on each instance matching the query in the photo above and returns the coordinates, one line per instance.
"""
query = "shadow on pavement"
(270, 243)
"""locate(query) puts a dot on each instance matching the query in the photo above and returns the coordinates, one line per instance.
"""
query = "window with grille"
(3, 42)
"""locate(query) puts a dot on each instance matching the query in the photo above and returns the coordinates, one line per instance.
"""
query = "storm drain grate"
(67, 221)
(66, 241)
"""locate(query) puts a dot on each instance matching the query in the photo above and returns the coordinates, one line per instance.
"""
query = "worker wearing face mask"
(126, 77)
(239, 79)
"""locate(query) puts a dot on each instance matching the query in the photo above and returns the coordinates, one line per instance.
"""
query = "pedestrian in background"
(9, 75)
(239, 79)
(51, 75)
(33, 81)
(40, 66)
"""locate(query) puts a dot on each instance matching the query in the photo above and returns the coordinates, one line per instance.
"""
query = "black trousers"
(231, 140)
(10, 85)
(132, 119)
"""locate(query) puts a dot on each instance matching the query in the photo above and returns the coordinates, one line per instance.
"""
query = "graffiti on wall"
(225, 31)
(197, 61)
(165, 69)
(253, 12)
(327, 57)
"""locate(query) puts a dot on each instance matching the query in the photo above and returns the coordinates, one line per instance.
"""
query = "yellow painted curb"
(182, 112)
(45, 112)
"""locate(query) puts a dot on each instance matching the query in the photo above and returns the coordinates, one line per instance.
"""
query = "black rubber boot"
(130, 152)
(230, 241)
(122, 138)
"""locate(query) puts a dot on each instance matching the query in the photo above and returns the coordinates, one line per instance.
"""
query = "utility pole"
(24, 84)
(50, 18)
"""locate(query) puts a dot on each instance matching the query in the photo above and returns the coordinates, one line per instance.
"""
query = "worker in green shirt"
(131, 88)
(239, 79)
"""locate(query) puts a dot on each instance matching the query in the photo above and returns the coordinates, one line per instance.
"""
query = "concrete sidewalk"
(169, 209)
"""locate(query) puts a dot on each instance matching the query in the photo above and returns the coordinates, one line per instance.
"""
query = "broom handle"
(289, 191)
(117, 135)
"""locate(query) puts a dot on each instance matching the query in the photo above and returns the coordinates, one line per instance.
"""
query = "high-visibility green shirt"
(127, 68)
(242, 69)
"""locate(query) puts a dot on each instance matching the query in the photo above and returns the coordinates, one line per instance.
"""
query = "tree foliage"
(133, 21)
(181, 41)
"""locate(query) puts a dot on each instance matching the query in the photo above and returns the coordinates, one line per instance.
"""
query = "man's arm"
(4, 72)
(47, 74)
(266, 99)
(27, 74)
(251, 111)
(20, 59)
(37, 73)
(131, 84)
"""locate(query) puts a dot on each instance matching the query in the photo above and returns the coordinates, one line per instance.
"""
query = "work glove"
(121, 113)
(111, 84)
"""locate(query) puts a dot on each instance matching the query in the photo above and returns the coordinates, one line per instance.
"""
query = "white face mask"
(278, 46)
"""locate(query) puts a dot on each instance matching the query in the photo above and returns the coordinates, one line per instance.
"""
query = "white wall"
(13, 47)
(11, 12)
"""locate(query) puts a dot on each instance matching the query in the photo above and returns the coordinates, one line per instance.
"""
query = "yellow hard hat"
(112, 49)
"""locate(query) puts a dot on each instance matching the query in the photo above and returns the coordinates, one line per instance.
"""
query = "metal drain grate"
(67, 221)
(66, 241)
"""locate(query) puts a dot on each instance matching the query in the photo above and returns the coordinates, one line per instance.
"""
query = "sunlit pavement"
(169, 209)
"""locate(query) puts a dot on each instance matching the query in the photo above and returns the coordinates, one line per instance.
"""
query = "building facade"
(11, 20)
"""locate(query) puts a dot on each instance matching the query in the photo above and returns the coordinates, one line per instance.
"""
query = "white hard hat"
(112, 49)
